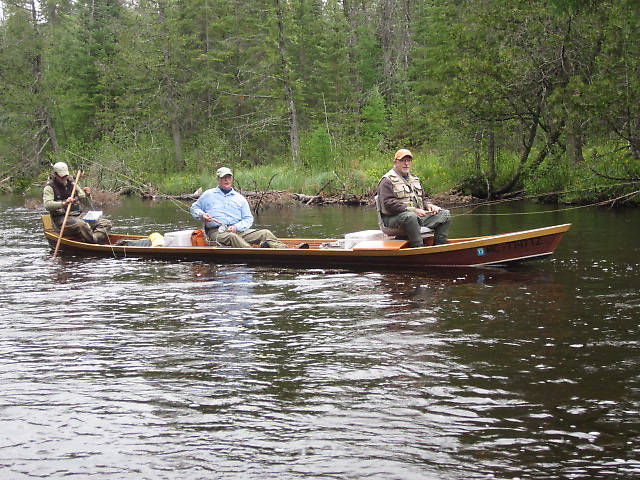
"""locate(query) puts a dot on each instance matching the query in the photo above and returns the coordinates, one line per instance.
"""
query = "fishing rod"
(575, 207)
(138, 184)
(556, 192)
(181, 205)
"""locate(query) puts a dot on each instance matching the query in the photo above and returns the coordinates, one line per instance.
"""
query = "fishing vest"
(409, 191)
(60, 194)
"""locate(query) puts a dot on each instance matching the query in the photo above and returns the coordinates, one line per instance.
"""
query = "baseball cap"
(222, 171)
(403, 152)
(61, 169)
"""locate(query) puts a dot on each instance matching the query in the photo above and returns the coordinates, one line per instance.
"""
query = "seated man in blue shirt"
(227, 217)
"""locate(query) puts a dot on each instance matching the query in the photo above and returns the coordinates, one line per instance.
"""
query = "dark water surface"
(138, 369)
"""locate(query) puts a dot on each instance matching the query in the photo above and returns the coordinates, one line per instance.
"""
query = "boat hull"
(492, 250)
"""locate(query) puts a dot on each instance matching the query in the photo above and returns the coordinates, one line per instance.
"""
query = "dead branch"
(263, 193)
(318, 193)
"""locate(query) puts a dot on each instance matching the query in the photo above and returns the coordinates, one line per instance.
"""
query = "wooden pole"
(66, 215)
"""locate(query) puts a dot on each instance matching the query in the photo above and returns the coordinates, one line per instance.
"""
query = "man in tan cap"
(56, 196)
(227, 217)
(404, 205)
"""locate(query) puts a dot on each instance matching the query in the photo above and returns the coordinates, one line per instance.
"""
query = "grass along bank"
(554, 181)
(356, 176)
(354, 172)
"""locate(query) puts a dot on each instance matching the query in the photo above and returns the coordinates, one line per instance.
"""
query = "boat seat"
(381, 245)
(396, 232)
(47, 223)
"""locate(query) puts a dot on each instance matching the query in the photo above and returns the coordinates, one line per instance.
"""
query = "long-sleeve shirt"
(226, 208)
(389, 199)
(57, 206)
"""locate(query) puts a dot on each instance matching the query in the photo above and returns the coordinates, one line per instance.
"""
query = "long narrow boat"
(490, 250)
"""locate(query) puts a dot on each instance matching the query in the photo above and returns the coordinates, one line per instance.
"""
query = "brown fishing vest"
(409, 191)
(61, 193)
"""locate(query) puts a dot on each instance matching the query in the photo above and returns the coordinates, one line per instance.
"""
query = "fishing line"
(558, 192)
(182, 206)
(576, 207)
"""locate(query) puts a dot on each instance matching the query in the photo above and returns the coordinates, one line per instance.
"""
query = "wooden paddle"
(66, 215)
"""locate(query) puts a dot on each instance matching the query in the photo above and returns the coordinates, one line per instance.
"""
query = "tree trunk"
(387, 37)
(294, 136)
(171, 102)
(528, 144)
(352, 41)
(491, 161)
(405, 47)
(45, 119)
(574, 146)
(44, 123)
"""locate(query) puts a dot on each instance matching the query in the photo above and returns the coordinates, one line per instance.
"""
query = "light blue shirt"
(226, 208)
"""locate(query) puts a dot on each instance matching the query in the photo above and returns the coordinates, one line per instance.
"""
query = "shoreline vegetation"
(273, 186)
(351, 180)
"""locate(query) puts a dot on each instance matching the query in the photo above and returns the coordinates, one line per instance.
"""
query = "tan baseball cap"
(403, 152)
(222, 171)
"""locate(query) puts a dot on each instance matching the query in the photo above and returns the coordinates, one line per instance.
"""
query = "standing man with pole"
(63, 198)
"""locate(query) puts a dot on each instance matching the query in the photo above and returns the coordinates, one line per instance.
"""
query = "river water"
(141, 369)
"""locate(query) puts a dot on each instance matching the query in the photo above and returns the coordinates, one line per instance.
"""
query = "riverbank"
(283, 198)
(275, 199)
(264, 200)
(352, 179)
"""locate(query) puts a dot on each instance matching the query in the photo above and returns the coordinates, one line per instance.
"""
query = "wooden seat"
(47, 223)
(395, 232)
(381, 245)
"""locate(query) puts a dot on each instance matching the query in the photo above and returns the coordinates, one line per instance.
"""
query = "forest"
(495, 97)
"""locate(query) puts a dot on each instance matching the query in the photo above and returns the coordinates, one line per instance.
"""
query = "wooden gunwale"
(472, 251)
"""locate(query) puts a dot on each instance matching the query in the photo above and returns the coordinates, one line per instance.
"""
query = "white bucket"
(180, 238)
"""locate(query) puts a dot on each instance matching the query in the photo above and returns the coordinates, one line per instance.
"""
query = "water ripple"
(147, 369)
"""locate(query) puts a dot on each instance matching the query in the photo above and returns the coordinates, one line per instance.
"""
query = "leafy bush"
(316, 149)
(208, 151)
(374, 120)
(551, 177)
(177, 184)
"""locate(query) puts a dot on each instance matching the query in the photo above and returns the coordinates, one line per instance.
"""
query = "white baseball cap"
(222, 171)
(61, 169)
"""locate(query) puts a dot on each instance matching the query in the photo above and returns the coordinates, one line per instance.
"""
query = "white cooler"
(352, 239)
(180, 238)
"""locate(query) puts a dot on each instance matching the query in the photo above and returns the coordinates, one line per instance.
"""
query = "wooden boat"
(490, 250)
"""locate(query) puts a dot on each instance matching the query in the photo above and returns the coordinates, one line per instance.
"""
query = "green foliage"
(207, 149)
(180, 183)
(552, 177)
(317, 149)
(435, 172)
(374, 120)
(263, 177)
(369, 54)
